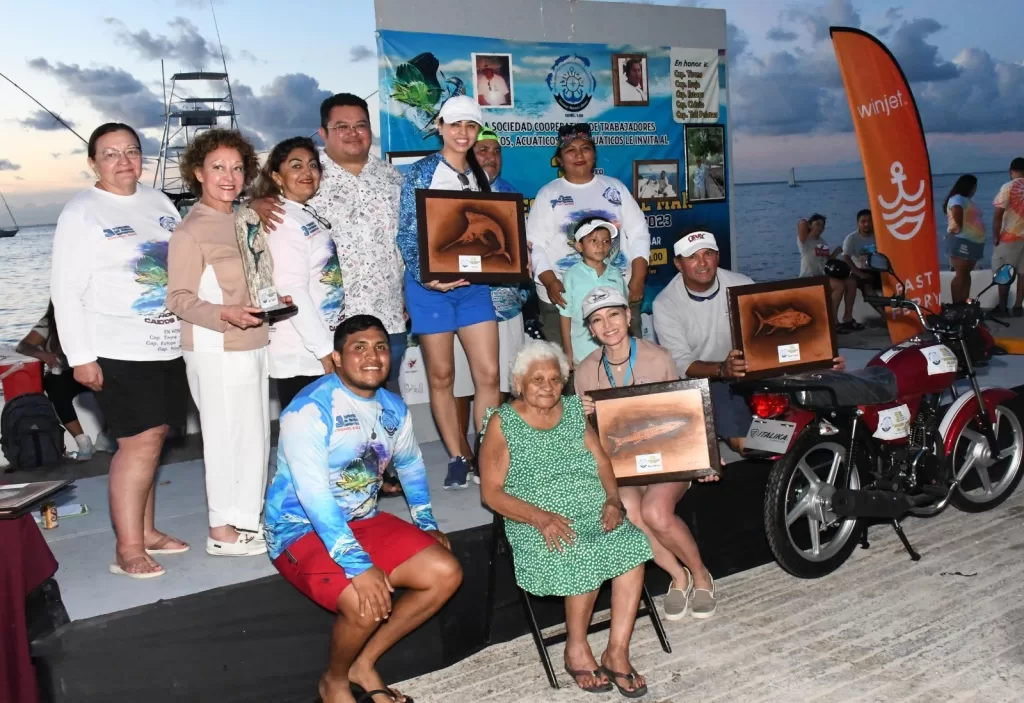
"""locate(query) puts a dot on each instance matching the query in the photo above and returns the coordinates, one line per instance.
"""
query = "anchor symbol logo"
(908, 208)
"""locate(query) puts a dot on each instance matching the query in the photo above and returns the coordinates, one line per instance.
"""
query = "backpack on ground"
(31, 436)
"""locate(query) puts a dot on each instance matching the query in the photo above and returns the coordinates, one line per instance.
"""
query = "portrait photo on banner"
(629, 80)
(493, 80)
(705, 163)
(656, 180)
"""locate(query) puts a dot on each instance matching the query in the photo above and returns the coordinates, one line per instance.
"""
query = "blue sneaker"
(458, 474)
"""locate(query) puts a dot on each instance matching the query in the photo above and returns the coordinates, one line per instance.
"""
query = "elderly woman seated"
(542, 467)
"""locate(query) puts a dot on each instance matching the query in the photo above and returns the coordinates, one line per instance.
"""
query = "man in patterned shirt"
(358, 196)
(324, 532)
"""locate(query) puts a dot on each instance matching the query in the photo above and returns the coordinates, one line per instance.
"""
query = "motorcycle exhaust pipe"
(872, 504)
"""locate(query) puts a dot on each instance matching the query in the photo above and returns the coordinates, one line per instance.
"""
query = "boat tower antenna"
(48, 111)
(224, 60)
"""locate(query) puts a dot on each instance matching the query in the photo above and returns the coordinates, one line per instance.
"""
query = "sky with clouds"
(92, 63)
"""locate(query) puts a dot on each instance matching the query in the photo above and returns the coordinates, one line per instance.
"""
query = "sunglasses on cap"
(569, 133)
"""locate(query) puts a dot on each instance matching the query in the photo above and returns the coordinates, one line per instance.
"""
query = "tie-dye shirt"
(1011, 200)
(332, 452)
(973, 228)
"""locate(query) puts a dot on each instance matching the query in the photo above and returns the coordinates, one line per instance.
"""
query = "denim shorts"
(433, 312)
(961, 248)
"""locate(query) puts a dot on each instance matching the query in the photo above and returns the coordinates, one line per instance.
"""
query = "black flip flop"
(596, 673)
(1018, 311)
(614, 677)
(364, 696)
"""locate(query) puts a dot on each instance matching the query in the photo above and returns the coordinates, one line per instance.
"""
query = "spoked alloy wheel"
(988, 476)
(806, 537)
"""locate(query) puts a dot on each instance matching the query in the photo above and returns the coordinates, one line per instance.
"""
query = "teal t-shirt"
(579, 280)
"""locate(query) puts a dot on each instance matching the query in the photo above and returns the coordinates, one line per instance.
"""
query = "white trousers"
(232, 391)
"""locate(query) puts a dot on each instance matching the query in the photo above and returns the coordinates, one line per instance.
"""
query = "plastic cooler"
(19, 374)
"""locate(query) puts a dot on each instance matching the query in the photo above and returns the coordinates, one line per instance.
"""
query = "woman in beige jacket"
(223, 342)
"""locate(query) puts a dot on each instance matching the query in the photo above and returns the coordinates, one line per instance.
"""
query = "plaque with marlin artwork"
(657, 432)
(258, 267)
(476, 237)
(784, 327)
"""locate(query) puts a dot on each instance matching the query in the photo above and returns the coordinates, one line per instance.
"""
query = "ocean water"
(765, 236)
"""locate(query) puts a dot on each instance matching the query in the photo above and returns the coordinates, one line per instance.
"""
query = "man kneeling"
(324, 532)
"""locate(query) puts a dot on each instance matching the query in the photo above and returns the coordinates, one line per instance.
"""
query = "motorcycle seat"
(825, 389)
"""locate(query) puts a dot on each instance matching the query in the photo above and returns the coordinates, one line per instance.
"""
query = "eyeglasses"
(464, 181)
(316, 216)
(132, 153)
(342, 128)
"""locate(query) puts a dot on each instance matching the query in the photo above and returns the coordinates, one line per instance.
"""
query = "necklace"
(380, 414)
(629, 371)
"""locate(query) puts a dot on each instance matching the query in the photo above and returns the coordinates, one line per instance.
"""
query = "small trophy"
(258, 267)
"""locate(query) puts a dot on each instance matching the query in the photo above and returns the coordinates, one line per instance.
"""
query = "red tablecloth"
(25, 562)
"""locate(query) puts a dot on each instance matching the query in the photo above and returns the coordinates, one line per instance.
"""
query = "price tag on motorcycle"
(940, 359)
(769, 435)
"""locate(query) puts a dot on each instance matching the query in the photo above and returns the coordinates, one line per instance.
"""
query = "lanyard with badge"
(629, 369)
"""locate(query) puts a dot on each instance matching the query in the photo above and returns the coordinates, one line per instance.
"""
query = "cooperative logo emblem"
(168, 223)
(572, 83)
(612, 195)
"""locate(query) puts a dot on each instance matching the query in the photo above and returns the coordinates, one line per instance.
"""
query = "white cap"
(693, 242)
(603, 297)
(588, 227)
(459, 108)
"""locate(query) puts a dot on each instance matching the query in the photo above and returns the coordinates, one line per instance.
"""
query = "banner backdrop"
(658, 115)
(896, 168)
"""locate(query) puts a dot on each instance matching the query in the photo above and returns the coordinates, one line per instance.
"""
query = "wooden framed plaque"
(477, 237)
(784, 327)
(657, 432)
(18, 499)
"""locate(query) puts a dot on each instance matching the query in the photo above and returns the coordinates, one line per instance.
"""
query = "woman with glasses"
(440, 310)
(578, 194)
(109, 280)
(224, 341)
(305, 267)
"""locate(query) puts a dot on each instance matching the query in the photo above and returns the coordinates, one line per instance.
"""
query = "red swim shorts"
(307, 565)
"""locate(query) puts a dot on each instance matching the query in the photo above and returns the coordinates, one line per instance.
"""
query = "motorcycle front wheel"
(988, 476)
(807, 539)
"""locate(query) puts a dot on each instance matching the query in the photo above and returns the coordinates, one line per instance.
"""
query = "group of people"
(148, 304)
(964, 246)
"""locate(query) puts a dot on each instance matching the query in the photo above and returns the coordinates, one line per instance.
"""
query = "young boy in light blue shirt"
(594, 237)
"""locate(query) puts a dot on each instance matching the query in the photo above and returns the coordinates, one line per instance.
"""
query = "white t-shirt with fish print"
(560, 205)
(109, 277)
(306, 268)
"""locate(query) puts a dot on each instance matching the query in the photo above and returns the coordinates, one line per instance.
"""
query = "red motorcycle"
(896, 438)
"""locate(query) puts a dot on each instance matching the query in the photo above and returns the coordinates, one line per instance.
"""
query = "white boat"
(792, 178)
(8, 231)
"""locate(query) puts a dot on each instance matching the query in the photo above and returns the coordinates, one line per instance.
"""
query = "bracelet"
(721, 369)
(616, 503)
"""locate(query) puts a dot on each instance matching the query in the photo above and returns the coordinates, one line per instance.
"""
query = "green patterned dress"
(554, 470)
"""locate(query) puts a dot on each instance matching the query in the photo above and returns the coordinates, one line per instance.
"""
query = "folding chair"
(500, 545)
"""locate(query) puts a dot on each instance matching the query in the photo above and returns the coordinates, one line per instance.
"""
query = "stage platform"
(213, 615)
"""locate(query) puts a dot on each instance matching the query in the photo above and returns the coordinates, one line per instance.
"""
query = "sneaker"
(247, 545)
(105, 443)
(677, 600)
(703, 603)
(458, 474)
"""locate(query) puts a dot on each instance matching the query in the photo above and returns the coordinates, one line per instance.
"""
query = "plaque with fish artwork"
(476, 237)
(657, 432)
(784, 327)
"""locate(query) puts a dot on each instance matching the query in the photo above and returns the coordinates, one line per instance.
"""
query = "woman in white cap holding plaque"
(440, 310)
(623, 360)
